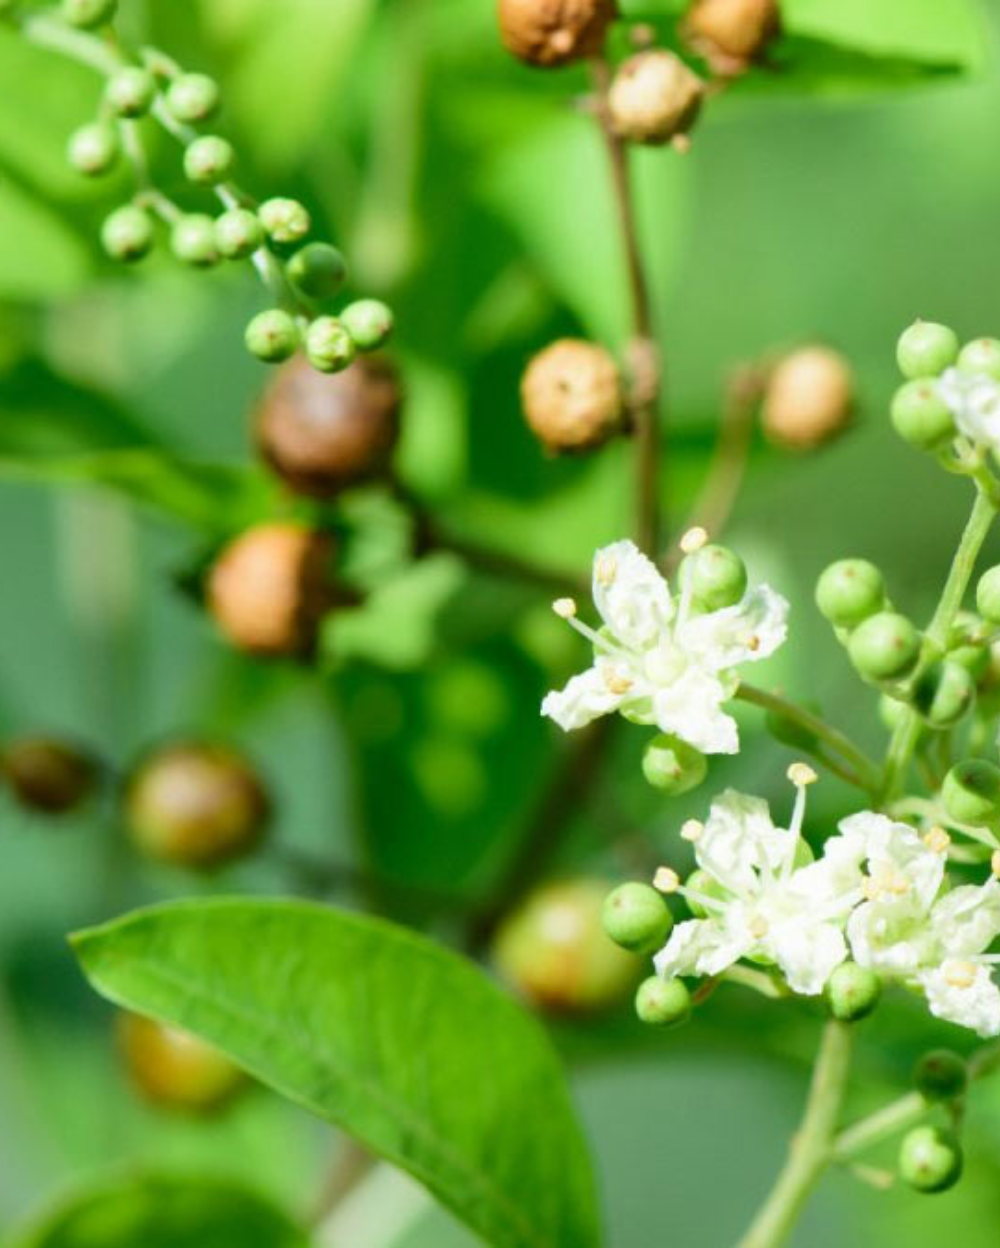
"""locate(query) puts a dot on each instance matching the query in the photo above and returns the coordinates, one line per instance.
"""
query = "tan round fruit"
(654, 97)
(572, 395)
(729, 34)
(174, 1069)
(548, 33)
(809, 398)
(48, 776)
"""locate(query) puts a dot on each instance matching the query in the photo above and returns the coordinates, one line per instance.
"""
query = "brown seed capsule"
(808, 399)
(174, 1069)
(554, 32)
(48, 776)
(653, 97)
(729, 34)
(323, 432)
(195, 804)
(270, 587)
(572, 395)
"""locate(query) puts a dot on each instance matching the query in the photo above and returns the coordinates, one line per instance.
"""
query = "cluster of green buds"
(930, 1156)
(637, 918)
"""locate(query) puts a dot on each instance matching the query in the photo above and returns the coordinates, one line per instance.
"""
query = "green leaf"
(405, 1045)
(40, 256)
(158, 1211)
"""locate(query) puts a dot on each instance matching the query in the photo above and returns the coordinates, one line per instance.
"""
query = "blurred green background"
(818, 204)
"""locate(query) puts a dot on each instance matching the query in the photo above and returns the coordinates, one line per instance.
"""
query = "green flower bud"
(88, 14)
(192, 240)
(662, 1002)
(272, 336)
(926, 349)
(966, 647)
(944, 693)
(318, 270)
(886, 646)
(128, 233)
(700, 881)
(673, 766)
(130, 92)
(716, 576)
(941, 1075)
(971, 792)
(193, 97)
(329, 347)
(930, 1159)
(988, 595)
(849, 591)
(286, 220)
(238, 233)
(369, 322)
(982, 355)
(921, 417)
(209, 160)
(94, 148)
(636, 917)
(852, 992)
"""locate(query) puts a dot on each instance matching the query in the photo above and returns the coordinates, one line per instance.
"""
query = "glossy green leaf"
(407, 1046)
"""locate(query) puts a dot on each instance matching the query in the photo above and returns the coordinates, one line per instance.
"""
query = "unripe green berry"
(193, 97)
(926, 349)
(944, 693)
(886, 646)
(286, 220)
(849, 591)
(988, 595)
(272, 336)
(852, 992)
(920, 415)
(329, 347)
(94, 148)
(941, 1075)
(131, 91)
(673, 766)
(318, 270)
(128, 233)
(662, 1002)
(209, 160)
(971, 792)
(636, 917)
(88, 14)
(982, 355)
(192, 240)
(716, 576)
(369, 322)
(238, 233)
(930, 1159)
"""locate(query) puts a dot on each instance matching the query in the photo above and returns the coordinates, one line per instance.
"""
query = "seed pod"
(48, 776)
(174, 1069)
(654, 96)
(323, 433)
(572, 395)
(270, 587)
(547, 33)
(808, 399)
(729, 34)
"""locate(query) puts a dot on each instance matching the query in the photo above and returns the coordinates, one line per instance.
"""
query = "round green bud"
(192, 240)
(891, 711)
(318, 270)
(930, 1159)
(988, 595)
(286, 220)
(636, 917)
(944, 693)
(941, 1075)
(369, 322)
(982, 355)
(699, 881)
(88, 14)
(886, 646)
(673, 766)
(94, 148)
(192, 97)
(209, 160)
(329, 347)
(852, 992)
(971, 792)
(716, 576)
(238, 233)
(128, 233)
(272, 336)
(662, 1002)
(849, 591)
(926, 349)
(130, 92)
(920, 416)
(967, 647)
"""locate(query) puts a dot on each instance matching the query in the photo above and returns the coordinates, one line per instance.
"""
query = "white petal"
(737, 841)
(974, 401)
(976, 1006)
(585, 698)
(888, 939)
(967, 920)
(631, 595)
(690, 707)
(897, 856)
(837, 874)
(807, 953)
(752, 629)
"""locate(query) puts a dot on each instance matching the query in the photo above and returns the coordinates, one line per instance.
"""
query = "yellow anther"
(938, 840)
(565, 608)
(960, 974)
(692, 829)
(801, 774)
(694, 539)
(758, 927)
(666, 880)
(616, 683)
(605, 569)
(995, 862)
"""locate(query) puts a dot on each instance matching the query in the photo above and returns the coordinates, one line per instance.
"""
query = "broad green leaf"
(40, 257)
(405, 1045)
(163, 1211)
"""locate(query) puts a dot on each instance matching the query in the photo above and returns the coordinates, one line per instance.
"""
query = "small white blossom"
(974, 401)
(658, 662)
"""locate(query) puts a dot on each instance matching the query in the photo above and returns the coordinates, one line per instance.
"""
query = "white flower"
(764, 905)
(656, 661)
(974, 401)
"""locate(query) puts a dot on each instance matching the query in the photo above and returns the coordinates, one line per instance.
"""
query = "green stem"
(810, 1151)
(887, 1121)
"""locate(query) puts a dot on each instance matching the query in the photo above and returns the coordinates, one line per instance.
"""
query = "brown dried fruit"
(321, 432)
(808, 399)
(654, 97)
(48, 776)
(555, 32)
(729, 34)
(174, 1069)
(269, 588)
(572, 395)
